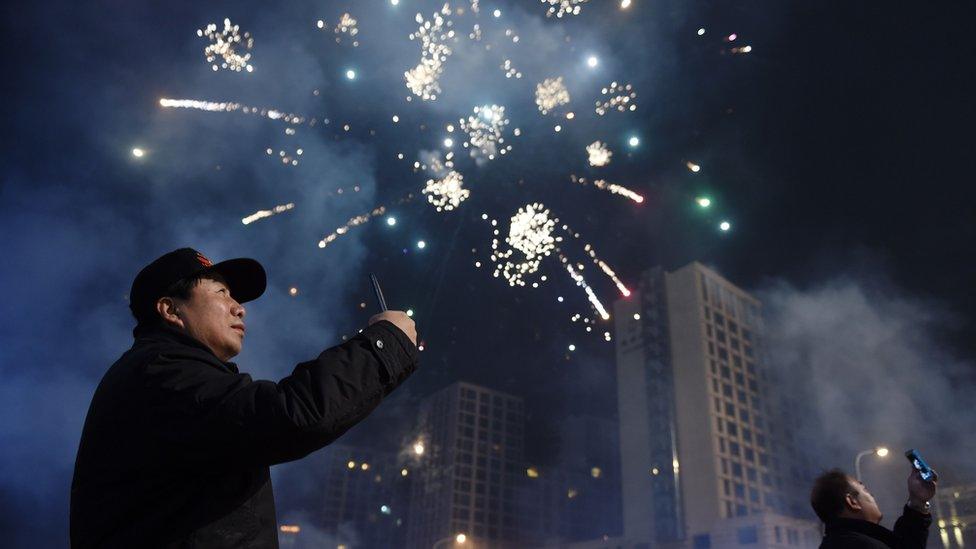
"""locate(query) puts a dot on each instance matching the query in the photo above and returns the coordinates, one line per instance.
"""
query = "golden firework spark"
(446, 193)
(422, 80)
(619, 97)
(348, 26)
(612, 188)
(551, 93)
(510, 70)
(261, 214)
(560, 8)
(485, 129)
(228, 106)
(599, 154)
(232, 47)
(353, 222)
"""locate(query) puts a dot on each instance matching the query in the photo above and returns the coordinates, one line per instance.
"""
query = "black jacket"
(176, 446)
(911, 532)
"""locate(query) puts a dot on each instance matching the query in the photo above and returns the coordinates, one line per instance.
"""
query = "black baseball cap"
(245, 277)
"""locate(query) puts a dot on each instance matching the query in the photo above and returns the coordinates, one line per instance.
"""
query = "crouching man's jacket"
(911, 532)
(177, 444)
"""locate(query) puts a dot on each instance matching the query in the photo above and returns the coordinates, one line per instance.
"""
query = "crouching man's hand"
(400, 320)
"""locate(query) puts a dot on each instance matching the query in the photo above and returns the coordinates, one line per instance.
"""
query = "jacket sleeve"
(912, 529)
(203, 414)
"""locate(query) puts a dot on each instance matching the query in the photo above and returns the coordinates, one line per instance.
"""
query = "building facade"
(954, 510)
(469, 465)
(708, 457)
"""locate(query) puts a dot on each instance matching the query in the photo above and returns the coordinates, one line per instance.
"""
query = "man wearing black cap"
(177, 443)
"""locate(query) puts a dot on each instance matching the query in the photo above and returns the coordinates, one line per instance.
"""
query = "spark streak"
(590, 294)
(353, 222)
(611, 188)
(261, 214)
(229, 106)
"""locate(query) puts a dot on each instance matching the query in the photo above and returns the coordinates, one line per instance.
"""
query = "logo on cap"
(203, 260)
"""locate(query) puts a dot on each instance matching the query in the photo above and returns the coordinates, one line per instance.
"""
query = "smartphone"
(918, 463)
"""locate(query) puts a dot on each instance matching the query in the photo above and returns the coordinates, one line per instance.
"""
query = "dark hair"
(829, 492)
(180, 289)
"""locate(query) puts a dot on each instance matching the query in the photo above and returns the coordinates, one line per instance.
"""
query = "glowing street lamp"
(880, 451)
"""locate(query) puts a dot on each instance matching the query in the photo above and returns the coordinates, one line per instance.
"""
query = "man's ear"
(851, 502)
(166, 307)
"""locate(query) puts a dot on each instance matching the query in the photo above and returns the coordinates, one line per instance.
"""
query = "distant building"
(354, 496)
(954, 510)
(469, 464)
(708, 457)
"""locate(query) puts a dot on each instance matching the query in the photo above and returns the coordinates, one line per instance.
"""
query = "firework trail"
(611, 188)
(590, 294)
(261, 214)
(446, 193)
(226, 106)
(225, 45)
(422, 80)
(599, 154)
(619, 97)
(354, 222)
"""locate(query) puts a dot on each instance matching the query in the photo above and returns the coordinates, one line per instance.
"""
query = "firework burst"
(485, 130)
(230, 46)
(446, 193)
(423, 80)
(599, 154)
(619, 97)
(550, 94)
(560, 8)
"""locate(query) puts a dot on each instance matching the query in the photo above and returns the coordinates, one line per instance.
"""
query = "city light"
(592, 61)
(391, 221)
(704, 201)
(633, 141)
(138, 152)
(725, 226)
(351, 74)
(290, 528)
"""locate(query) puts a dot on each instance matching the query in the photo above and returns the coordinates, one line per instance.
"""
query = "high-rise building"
(354, 496)
(469, 464)
(954, 510)
(707, 459)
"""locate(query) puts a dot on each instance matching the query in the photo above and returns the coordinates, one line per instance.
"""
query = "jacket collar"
(162, 332)
(863, 527)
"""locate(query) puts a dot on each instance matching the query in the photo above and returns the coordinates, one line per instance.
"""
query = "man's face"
(214, 318)
(869, 510)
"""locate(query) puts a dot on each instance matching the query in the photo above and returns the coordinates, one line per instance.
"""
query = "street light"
(880, 451)
(459, 539)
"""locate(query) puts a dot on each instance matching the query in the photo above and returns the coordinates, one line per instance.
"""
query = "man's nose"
(238, 310)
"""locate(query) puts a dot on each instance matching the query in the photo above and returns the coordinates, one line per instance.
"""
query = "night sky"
(839, 149)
